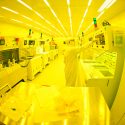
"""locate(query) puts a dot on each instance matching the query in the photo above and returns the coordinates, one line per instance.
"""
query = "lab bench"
(32, 105)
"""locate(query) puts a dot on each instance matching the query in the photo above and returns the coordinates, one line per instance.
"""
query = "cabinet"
(118, 108)
(35, 65)
(10, 76)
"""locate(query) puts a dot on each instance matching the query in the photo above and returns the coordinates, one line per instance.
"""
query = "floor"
(53, 74)
(35, 103)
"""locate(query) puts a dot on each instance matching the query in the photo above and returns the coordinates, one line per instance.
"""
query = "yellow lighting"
(69, 12)
(113, 1)
(100, 14)
(26, 17)
(68, 2)
(17, 21)
(88, 27)
(89, 3)
(47, 3)
(10, 10)
(37, 28)
(85, 12)
(47, 21)
(80, 26)
(20, 1)
(82, 21)
(86, 106)
(29, 25)
(39, 15)
(106, 4)
(65, 122)
(26, 5)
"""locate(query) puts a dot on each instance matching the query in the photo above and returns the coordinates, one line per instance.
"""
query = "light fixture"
(26, 5)
(85, 12)
(106, 4)
(27, 17)
(10, 10)
(47, 3)
(113, 1)
(68, 2)
(20, 1)
(88, 27)
(82, 20)
(17, 20)
(100, 14)
(70, 17)
(39, 15)
(89, 3)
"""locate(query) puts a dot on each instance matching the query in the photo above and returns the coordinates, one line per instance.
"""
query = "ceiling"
(54, 19)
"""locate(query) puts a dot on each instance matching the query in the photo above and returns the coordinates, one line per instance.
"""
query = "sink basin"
(106, 73)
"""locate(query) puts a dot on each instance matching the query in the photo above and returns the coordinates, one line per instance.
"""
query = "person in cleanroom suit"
(72, 66)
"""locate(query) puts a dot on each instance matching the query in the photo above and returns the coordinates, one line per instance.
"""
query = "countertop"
(28, 104)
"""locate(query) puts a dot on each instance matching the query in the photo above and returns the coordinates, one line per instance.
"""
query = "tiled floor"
(53, 74)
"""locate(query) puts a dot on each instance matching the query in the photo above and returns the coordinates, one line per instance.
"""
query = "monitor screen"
(5, 55)
(31, 42)
(25, 42)
(42, 42)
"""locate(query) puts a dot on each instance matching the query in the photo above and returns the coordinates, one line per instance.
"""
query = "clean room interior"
(62, 62)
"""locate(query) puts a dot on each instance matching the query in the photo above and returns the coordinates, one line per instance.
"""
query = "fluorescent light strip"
(89, 3)
(85, 12)
(29, 25)
(82, 20)
(88, 27)
(68, 2)
(47, 21)
(17, 20)
(39, 15)
(105, 4)
(20, 1)
(10, 10)
(80, 26)
(27, 17)
(69, 12)
(37, 23)
(100, 14)
(113, 1)
(47, 3)
(43, 26)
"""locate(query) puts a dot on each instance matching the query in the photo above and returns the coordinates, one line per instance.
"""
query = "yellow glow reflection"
(86, 106)
(65, 121)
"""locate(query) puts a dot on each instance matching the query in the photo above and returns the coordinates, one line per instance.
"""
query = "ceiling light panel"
(53, 12)
(70, 17)
(60, 9)
(84, 16)
(92, 13)
(43, 13)
(10, 10)
(39, 12)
